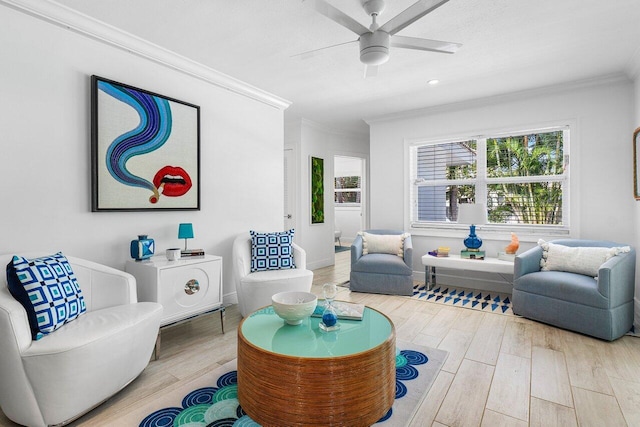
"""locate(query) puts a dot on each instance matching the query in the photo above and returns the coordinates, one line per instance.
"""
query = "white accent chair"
(255, 289)
(72, 370)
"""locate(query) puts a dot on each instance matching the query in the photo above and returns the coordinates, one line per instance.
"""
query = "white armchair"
(256, 289)
(72, 370)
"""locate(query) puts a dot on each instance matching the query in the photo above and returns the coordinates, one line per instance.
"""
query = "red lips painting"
(171, 181)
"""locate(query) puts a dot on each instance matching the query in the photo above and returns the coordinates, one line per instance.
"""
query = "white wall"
(311, 139)
(45, 121)
(601, 167)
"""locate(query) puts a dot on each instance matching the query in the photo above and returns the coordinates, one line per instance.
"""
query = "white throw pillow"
(383, 243)
(578, 259)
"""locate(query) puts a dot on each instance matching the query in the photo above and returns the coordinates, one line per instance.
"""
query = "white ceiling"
(508, 46)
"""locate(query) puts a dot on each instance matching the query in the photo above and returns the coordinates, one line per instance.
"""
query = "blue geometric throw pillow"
(271, 251)
(47, 289)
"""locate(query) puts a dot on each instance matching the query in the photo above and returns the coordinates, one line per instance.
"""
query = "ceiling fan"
(376, 40)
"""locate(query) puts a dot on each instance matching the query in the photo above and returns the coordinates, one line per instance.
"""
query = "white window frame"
(348, 190)
(498, 231)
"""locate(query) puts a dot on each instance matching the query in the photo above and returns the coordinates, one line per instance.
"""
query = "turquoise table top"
(266, 330)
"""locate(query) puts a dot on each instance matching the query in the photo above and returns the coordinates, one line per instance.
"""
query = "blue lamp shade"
(185, 231)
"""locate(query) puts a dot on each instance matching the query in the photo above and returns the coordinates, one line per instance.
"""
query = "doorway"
(349, 199)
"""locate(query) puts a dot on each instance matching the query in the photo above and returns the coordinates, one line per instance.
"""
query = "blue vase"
(473, 241)
(142, 248)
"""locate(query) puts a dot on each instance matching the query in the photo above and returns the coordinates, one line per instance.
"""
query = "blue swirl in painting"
(150, 134)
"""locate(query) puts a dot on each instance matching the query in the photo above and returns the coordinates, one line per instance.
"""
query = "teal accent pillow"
(271, 251)
(47, 289)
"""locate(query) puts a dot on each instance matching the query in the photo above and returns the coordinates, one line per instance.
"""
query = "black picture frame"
(145, 150)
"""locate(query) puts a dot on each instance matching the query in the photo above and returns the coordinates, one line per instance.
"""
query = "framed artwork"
(317, 190)
(145, 150)
(636, 160)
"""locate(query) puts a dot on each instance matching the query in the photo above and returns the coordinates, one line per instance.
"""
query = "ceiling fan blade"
(321, 6)
(370, 71)
(411, 15)
(424, 44)
(314, 52)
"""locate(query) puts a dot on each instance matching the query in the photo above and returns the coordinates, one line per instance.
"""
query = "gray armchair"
(381, 273)
(601, 307)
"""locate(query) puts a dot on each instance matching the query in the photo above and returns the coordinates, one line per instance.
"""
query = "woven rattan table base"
(278, 390)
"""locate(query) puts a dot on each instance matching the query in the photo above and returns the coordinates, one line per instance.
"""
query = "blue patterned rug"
(217, 404)
(490, 302)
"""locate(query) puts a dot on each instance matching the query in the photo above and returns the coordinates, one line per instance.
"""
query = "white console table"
(489, 265)
(186, 288)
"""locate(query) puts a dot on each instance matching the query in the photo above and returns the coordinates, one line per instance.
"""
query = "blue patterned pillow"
(271, 251)
(47, 289)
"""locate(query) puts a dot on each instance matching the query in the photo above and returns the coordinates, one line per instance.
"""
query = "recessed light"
(433, 82)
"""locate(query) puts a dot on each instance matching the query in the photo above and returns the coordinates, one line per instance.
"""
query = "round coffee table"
(300, 375)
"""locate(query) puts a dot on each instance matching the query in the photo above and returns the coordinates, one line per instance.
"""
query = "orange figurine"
(512, 247)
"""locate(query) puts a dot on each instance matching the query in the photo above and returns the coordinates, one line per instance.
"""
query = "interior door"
(289, 190)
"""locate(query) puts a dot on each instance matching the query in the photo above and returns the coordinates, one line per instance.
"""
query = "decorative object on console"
(512, 247)
(145, 150)
(472, 254)
(185, 231)
(48, 290)
(472, 214)
(143, 248)
(173, 254)
(509, 253)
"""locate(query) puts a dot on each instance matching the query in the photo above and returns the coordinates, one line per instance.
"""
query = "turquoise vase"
(473, 241)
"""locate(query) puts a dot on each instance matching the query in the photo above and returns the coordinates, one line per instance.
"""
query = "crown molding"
(72, 20)
(482, 102)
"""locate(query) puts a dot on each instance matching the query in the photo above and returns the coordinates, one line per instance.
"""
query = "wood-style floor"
(501, 370)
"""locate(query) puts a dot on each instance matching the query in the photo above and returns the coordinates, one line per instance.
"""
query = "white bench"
(489, 265)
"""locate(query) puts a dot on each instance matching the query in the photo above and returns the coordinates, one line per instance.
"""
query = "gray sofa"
(381, 273)
(601, 307)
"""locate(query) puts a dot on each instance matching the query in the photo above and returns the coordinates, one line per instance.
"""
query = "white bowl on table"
(294, 306)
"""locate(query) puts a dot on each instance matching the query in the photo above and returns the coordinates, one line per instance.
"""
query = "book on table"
(185, 253)
(465, 254)
(344, 310)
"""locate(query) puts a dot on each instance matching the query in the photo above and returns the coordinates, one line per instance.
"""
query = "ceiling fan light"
(374, 55)
(374, 48)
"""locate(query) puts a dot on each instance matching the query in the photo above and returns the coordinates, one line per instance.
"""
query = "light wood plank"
(549, 376)
(587, 373)
(431, 403)
(440, 324)
(549, 414)
(597, 409)
(486, 343)
(464, 403)
(628, 397)
(509, 393)
(495, 419)
(517, 339)
(456, 342)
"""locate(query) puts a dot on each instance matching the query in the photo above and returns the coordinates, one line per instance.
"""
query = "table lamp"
(473, 214)
(185, 231)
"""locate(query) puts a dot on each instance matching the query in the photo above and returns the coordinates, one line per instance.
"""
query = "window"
(347, 190)
(521, 177)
